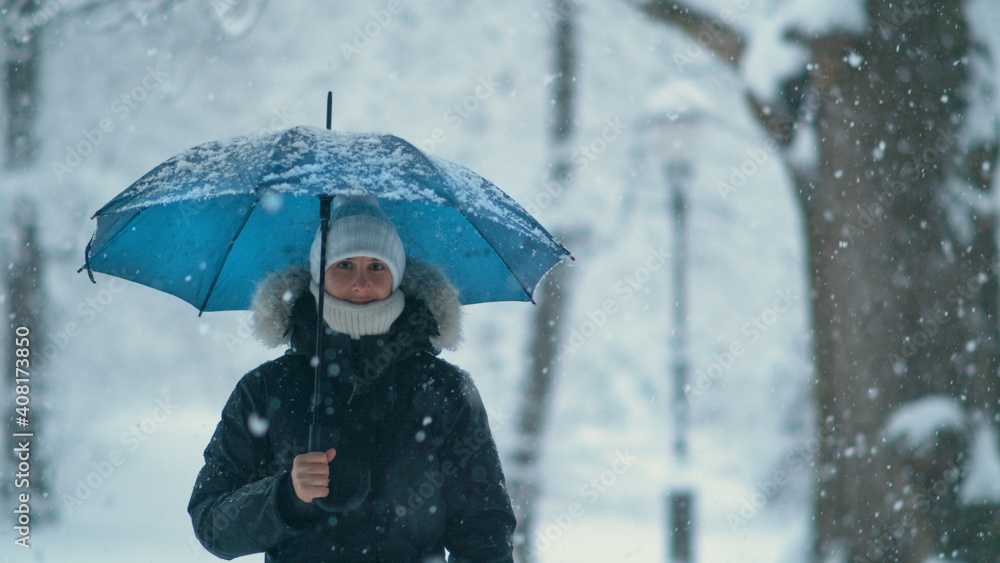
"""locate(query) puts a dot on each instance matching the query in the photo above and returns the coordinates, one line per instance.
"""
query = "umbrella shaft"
(324, 228)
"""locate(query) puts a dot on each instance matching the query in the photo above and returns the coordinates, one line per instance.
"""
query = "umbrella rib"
(455, 205)
(88, 252)
(225, 256)
(531, 298)
(86, 259)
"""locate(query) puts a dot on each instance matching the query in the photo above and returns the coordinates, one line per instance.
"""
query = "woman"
(408, 466)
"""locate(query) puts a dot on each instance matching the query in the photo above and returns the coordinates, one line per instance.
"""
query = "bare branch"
(728, 44)
(710, 32)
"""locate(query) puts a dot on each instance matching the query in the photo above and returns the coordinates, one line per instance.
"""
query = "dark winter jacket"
(410, 430)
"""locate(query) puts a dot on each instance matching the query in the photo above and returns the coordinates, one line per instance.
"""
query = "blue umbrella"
(208, 224)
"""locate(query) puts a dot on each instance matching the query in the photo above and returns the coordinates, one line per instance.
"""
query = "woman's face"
(359, 280)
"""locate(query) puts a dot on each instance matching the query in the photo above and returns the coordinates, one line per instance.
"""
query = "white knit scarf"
(365, 319)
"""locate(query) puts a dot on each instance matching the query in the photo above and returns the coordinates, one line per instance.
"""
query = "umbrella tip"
(90, 273)
(329, 110)
(86, 260)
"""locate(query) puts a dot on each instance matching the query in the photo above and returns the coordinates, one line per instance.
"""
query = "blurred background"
(782, 308)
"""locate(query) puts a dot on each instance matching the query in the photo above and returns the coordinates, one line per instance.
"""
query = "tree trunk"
(543, 349)
(903, 273)
(21, 63)
(901, 236)
(24, 309)
(24, 260)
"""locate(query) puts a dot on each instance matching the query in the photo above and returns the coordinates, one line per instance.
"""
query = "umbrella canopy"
(208, 224)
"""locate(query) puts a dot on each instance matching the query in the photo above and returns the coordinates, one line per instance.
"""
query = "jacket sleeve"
(481, 521)
(235, 505)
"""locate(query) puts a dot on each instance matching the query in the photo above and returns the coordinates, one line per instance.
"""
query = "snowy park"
(778, 307)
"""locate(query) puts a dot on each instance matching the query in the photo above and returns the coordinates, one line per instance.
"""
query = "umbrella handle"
(356, 499)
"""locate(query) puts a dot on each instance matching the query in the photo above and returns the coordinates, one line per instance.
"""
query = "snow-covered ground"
(135, 380)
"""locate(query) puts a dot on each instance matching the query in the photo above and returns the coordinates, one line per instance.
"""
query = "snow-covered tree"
(543, 357)
(23, 24)
(881, 112)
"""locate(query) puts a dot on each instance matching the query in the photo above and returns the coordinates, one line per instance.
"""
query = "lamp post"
(671, 139)
(680, 499)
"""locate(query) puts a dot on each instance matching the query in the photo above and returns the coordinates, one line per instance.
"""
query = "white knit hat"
(358, 227)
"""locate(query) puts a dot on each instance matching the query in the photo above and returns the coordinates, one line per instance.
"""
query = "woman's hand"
(311, 474)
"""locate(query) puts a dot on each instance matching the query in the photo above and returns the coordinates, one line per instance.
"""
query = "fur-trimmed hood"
(276, 295)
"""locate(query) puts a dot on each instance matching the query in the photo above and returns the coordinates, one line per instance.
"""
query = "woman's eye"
(378, 266)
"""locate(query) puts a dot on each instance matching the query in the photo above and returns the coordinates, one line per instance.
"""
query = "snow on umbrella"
(208, 224)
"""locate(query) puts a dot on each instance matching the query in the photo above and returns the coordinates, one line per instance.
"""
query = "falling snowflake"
(272, 202)
(257, 425)
(878, 153)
